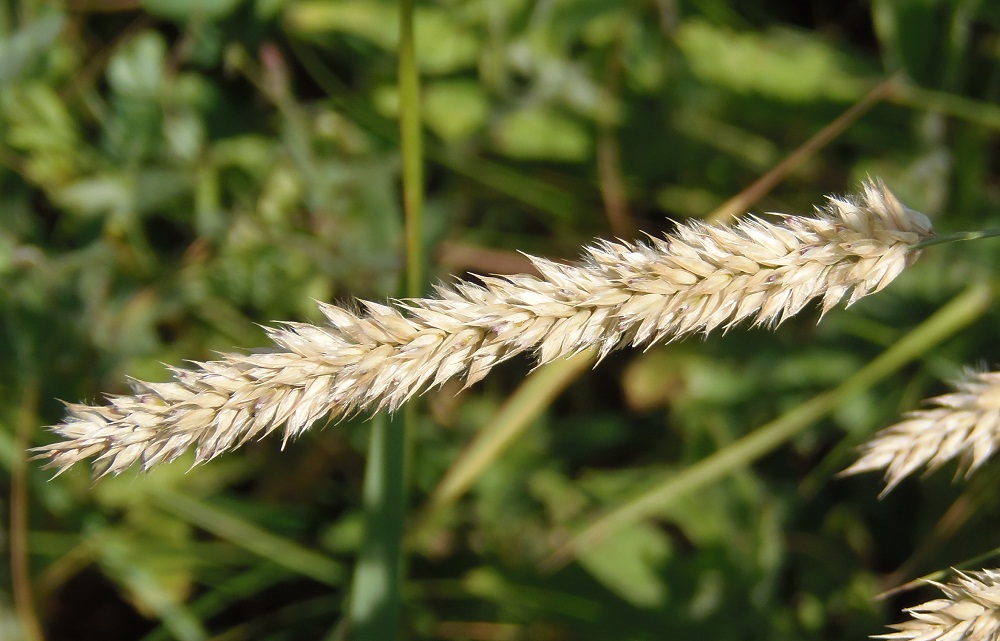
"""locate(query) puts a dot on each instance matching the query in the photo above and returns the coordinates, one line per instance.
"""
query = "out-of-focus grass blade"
(376, 598)
(8, 449)
(240, 532)
(239, 587)
(26, 44)
(524, 406)
(741, 202)
(957, 314)
(137, 572)
(974, 111)
(181, 624)
(560, 203)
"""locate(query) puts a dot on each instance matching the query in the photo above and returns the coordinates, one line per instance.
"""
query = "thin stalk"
(412, 149)
(973, 563)
(962, 511)
(961, 311)
(376, 600)
(21, 582)
(958, 236)
(741, 202)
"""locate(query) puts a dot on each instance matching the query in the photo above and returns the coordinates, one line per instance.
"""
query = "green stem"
(21, 582)
(957, 236)
(412, 149)
(528, 401)
(940, 575)
(376, 600)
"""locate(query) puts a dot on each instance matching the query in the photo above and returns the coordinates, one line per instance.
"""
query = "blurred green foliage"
(173, 173)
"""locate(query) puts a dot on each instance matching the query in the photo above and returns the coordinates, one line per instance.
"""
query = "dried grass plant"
(696, 280)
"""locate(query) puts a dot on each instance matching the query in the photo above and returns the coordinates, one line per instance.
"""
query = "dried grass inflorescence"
(697, 279)
(964, 424)
(970, 610)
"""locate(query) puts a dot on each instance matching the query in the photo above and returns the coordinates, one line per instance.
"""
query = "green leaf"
(781, 64)
(454, 110)
(630, 563)
(97, 196)
(907, 30)
(443, 44)
(542, 134)
(27, 45)
(231, 526)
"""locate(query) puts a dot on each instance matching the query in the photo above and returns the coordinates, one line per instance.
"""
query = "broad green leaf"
(155, 583)
(784, 65)
(136, 70)
(908, 32)
(541, 134)
(40, 124)
(630, 564)
(455, 109)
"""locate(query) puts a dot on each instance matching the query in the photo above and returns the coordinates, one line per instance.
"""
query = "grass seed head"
(963, 425)
(696, 280)
(969, 611)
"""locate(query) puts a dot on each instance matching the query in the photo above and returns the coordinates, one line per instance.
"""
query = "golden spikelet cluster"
(697, 279)
(964, 424)
(969, 611)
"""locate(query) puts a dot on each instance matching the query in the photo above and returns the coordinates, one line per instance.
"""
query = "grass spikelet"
(698, 279)
(969, 611)
(964, 424)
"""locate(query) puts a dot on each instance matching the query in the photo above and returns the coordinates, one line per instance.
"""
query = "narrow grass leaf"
(253, 538)
(957, 314)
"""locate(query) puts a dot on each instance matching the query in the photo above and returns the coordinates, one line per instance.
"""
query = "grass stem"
(376, 600)
(958, 236)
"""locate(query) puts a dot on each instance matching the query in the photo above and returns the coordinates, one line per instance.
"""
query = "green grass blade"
(250, 537)
(978, 112)
(555, 202)
(241, 586)
(516, 415)
(412, 149)
(958, 313)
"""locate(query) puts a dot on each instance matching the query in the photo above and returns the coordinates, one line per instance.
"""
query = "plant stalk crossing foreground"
(695, 280)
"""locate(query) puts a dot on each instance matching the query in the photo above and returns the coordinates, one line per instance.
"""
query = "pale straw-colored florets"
(697, 279)
(964, 424)
(969, 611)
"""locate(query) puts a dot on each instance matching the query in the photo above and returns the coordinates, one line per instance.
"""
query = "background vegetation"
(173, 172)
